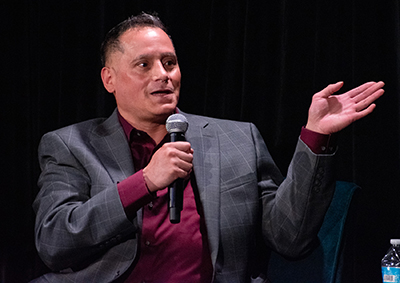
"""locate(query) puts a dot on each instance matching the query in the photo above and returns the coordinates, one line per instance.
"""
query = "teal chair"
(324, 264)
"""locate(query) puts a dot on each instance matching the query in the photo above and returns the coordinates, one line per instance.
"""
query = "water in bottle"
(390, 263)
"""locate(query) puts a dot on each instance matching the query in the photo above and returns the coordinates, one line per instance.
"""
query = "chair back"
(323, 265)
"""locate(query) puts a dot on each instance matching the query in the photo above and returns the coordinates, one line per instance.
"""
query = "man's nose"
(159, 72)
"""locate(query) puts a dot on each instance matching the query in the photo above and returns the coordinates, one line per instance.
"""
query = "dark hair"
(111, 41)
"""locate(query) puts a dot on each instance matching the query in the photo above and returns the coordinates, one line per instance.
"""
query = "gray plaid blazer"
(83, 234)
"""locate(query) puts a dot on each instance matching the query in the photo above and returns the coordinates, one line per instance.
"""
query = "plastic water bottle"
(391, 263)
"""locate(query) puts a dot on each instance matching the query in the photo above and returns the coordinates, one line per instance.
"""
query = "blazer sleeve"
(77, 218)
(293, 210)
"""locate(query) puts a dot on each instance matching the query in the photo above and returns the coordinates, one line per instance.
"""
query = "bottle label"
(391, 274)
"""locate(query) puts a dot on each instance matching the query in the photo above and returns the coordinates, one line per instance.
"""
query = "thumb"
(330, 89)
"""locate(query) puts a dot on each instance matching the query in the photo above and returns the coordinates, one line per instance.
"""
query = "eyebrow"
(147, 56)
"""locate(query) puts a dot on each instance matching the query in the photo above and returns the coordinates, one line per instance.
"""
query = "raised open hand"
(330, 113)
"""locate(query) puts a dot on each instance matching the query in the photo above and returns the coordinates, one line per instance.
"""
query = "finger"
(364, 87)
(364, 103)
(183, 169)
(185, 156)
(329, 90)
(370, 91)
(180, 145)
(186, 167)
(364, 112)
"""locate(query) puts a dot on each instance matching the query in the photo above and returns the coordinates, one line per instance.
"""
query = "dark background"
(258, 61)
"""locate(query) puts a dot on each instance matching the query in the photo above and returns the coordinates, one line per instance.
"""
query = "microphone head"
(177, 123)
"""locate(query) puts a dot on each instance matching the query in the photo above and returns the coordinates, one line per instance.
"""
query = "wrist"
(151, 187)
(319, 143)
(315, 129)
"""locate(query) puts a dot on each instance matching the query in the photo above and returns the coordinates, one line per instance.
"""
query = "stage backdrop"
(258, 61)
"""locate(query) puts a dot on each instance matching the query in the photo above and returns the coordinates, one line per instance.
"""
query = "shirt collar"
(128, 128)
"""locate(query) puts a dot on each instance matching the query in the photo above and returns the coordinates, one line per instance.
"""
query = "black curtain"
(258, 61)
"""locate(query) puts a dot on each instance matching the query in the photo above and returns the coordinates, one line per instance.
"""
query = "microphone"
(176, 125)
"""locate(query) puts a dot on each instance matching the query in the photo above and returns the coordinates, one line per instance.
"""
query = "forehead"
(146, 39)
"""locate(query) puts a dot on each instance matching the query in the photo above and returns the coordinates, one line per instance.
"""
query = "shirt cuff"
(319, 143)
(134, 194)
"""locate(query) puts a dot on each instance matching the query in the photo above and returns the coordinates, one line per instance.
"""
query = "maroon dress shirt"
(168, 252)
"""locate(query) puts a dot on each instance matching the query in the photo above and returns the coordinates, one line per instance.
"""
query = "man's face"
(145, 78)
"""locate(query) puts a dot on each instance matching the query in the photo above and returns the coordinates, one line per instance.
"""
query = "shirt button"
(147, 243)
(150, 205)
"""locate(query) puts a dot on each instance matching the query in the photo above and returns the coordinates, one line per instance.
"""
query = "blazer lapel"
(111, 145)
(206, 162)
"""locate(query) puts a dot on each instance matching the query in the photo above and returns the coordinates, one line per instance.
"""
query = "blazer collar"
(206, 163)
(112, 147)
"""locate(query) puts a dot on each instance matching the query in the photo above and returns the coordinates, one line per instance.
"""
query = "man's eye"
(170, 63)
(144, 65)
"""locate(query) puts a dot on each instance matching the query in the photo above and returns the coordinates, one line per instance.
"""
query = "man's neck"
(155, 129)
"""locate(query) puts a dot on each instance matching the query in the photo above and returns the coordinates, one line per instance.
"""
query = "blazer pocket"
(238, 181)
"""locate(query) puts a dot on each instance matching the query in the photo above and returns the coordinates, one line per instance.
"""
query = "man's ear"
(107, 78)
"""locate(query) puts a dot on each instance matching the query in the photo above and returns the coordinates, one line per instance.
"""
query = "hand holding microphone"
(170, 164)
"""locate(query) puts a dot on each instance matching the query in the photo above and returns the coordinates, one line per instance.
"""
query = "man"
(102, 211)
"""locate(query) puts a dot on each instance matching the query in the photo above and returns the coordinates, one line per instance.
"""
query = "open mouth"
(162, 92)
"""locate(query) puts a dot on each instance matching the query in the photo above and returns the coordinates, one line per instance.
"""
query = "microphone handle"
(178, 136)
(175, 190)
